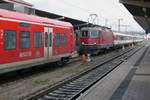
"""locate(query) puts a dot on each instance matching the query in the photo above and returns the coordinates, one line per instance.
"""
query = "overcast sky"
(111, 10)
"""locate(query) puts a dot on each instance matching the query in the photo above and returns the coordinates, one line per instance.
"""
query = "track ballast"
(75, 86)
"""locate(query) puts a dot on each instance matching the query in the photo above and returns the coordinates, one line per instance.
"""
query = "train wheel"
(59, 63)
(65, 60)
(62, 62)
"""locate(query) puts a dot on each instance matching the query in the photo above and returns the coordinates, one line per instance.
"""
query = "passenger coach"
(28, 40)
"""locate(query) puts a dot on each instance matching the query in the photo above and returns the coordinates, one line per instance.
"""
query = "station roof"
(78, 24)
(140, 9)
(75, 22)
(18, 2)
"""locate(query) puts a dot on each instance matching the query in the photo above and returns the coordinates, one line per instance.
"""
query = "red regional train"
(95, 39)
(28, 40)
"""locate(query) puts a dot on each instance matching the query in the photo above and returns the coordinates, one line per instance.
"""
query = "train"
(29, 40)
(98, 38)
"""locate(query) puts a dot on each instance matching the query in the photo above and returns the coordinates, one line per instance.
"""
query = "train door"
(48, 42)
(100, 37)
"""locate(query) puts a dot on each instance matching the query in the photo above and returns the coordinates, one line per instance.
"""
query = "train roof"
(123, 34)
(96, 28)
(31, 18)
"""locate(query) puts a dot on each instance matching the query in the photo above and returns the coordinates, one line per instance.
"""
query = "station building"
(18, 6)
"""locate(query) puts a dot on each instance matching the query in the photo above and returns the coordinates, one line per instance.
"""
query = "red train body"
(32, 40)
(97, 36)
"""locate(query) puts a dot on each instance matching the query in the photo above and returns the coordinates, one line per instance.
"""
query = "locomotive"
(95, 39)
(28, 40)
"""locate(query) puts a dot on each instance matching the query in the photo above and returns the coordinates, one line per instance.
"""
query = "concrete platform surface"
(139, 88)
(123, 83)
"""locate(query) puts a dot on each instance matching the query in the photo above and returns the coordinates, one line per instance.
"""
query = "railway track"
(74, 86)
(27, 72)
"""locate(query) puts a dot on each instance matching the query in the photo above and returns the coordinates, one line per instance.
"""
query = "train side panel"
(13, 37)
(10, 55)
(107, 38)
(63, 41)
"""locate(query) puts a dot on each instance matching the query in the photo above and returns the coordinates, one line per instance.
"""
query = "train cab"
(90, 37)
(96, 38)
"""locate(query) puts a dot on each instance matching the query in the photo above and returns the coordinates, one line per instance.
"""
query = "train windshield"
(94, 34)
(85, 34)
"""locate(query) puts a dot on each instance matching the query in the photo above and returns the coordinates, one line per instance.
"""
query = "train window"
(94, 34)
(84, 34)
(64, 39)
(37, 39)
(24, 39)
(122, 38)
(99, 32)
(50, 37)
(57, 39)
(9, 39)
(46, 39)
(119, 37)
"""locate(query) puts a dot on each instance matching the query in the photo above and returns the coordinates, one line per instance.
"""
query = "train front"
(89, 39)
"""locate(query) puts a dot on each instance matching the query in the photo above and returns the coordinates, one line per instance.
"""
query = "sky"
(108, 11)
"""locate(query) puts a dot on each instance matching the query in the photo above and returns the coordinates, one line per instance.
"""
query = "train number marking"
(25, 54)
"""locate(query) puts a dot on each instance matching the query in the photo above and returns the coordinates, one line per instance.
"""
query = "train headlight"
(82, 42)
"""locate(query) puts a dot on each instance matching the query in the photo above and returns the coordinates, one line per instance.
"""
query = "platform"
(130, 81)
